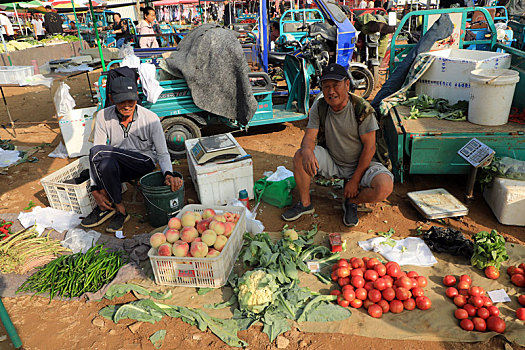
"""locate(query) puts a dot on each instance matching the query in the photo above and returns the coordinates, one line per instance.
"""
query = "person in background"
(52, 22)
(7, 27)
(128, 141)
(274, 31)
(363, 4)
(229, 14)
(38, 27)
(121, 30)
(371, 4)
(72, 25)
(377, 4)
(145, 27)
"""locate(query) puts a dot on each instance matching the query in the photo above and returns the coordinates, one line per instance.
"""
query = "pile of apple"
(475, 310)
(194, 235)
(379, 288)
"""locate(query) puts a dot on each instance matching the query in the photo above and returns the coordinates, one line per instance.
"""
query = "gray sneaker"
(350, 214)
(297, 211)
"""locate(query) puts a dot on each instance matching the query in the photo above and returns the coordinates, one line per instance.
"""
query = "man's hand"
(310, 164)
(351, 189)
(102, 200)
(174, 182)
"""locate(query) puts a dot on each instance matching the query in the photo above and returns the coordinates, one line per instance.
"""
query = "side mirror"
(392, 19)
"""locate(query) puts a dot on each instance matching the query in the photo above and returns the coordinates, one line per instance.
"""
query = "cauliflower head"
(256, 289)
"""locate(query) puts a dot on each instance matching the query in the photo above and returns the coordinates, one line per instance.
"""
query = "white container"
(215, 183)
(69, 197)
(506, 198)
(15, 74)
(201, 272)
(491, 93)
(448, 76)
(76, 129)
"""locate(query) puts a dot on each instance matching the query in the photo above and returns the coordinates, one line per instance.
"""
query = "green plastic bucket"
(161, 203)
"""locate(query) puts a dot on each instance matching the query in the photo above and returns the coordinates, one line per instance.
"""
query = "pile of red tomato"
(517, 275)
(475, 310)
(377, 287)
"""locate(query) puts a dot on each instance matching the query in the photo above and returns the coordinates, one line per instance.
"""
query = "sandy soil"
(71, 325)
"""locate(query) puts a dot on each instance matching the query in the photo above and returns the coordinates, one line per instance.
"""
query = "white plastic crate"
(69, 197)
(506, 198)
(201, 272)
(215, 183)
(15, 74)
(448, 76)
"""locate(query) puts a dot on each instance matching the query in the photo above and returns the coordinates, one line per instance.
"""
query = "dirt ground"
(70, 325)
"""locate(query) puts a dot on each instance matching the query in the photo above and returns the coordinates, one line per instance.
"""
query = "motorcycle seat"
(275, 57)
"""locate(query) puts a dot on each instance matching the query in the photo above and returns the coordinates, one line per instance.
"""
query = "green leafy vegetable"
(489, 250)
(202, 291)
(29, 205)
(157, 338)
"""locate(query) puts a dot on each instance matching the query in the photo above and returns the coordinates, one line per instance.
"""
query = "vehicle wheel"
(176, 131)
(375, 74)
(364, 81)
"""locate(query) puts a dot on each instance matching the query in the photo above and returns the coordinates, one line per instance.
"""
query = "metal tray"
(437, 203)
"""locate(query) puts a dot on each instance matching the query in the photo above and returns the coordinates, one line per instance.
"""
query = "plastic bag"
(275, 189)
(510, 168)
(150, 84)
(252, 225)
(59, 220)
(64, 103)
(129, 59)
(59, 152)
(79, 240)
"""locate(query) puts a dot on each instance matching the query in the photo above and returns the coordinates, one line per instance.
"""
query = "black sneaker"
(117, 223)
(296, 211)
(350, 214)
(97, 217)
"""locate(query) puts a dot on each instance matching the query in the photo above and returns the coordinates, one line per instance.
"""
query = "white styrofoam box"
(448, 76)
(15, 74)
(216, 184)
(506, 198)
(76, 129)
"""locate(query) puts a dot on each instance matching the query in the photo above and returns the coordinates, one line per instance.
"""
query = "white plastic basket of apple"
(195, 235)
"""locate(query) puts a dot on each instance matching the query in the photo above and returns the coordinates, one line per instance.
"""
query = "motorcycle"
(327, 42)
(372, 40)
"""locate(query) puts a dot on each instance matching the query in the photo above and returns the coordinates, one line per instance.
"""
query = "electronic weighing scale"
(215, 147)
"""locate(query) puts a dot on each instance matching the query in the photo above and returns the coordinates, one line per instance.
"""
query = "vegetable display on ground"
(23, 251)
(475, 309)
(72, 275)
(489, 250)
(366, 282)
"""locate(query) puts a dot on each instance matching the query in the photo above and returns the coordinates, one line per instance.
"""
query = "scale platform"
(215, 147)
(437, 203)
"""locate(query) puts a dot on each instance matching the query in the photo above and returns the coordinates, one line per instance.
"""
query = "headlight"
(374, 37)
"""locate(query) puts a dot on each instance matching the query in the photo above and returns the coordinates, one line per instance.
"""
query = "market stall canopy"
(34, 5)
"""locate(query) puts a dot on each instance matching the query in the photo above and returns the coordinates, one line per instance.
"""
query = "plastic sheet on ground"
(436, 324)
(408, 251)
(8, 158)
(59, 220)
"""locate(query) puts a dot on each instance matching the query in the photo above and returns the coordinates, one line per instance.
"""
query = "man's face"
(116, 18)
(126, 108)
(335, 92)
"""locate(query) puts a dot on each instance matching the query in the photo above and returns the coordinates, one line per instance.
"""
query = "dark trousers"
(112, 166)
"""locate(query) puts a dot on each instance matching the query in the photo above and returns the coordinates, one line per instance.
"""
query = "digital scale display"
(214, 147)
(476, 153)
